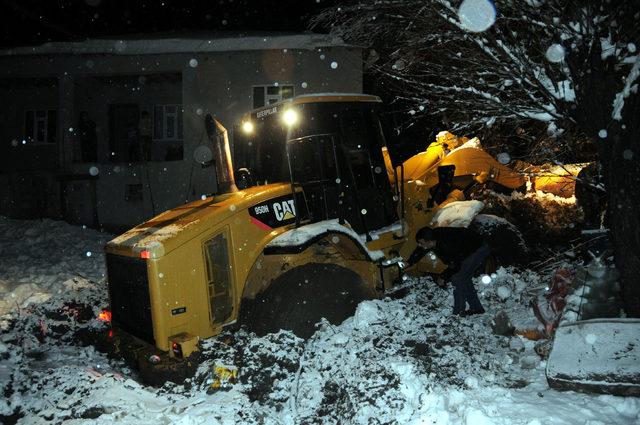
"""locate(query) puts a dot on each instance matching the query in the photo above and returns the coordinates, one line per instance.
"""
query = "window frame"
(49, 139)
(271, 98)
(177, 114)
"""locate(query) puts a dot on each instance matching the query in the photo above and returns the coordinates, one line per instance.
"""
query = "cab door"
(219, 277)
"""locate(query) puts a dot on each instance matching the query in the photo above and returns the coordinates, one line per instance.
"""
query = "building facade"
(103, 132)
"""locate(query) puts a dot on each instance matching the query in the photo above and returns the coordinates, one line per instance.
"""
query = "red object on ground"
(105, 316)
(548, 308)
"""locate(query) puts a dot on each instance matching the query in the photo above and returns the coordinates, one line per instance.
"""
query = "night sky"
(27, 22)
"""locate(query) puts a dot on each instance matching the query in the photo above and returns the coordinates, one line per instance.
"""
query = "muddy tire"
(508, 247)
(299, 298)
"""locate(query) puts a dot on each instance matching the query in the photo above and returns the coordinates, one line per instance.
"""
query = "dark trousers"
(463, 289)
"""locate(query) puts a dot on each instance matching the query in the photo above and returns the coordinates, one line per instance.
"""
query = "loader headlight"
(290, 117)
(247, 127)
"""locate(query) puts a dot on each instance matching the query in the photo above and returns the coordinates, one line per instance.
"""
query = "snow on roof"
(183, 43)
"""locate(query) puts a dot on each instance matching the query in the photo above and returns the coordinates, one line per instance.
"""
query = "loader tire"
(299, 298)
(507, 245)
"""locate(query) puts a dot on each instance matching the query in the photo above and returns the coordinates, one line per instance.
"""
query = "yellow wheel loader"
(316, 219)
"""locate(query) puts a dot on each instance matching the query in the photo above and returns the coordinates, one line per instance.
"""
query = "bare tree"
(570, 64)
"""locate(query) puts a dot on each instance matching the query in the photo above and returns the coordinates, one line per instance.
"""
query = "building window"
(167, 122)
(40, 126)
(266, 95)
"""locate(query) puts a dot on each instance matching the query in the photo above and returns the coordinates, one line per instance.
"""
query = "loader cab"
(331, 147)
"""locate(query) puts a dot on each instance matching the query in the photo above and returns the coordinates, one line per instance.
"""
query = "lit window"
(266, 95)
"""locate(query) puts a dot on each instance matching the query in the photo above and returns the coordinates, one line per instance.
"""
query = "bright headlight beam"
(290, 117)
(247, 127)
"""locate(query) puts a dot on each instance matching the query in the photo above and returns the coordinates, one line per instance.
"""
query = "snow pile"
(457, 214)
(542, 218)
(37, 257)
(400, 359)
(300, 235)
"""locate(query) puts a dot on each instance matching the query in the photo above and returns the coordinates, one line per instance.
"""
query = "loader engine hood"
(171, 229)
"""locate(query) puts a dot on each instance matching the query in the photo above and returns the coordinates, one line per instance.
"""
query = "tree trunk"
(622, 179)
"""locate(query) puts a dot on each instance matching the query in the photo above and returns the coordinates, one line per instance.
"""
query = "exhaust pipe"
(219, 138)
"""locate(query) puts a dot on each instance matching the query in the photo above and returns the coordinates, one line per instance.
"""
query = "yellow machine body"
(200, 261)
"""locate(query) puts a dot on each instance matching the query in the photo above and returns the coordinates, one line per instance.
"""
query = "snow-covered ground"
(402, 359)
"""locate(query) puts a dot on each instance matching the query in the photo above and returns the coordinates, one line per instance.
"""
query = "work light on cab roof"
(290, 117)
(247, 127)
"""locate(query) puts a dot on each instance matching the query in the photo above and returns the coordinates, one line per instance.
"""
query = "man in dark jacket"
(464, 252)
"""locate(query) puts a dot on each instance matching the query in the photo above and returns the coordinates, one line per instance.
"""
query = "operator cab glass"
(333, 150)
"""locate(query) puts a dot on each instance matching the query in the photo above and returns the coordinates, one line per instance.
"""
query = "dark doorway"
(124, 140)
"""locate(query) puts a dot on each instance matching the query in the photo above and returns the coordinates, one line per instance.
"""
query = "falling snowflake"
(603, 134)
(627, 154)
(88, 254)
(120, 46)
(193, 62)
(363, 211)
(555, 53)
(504, 158)
(590, 339)
(94, 171)
(476, 15)
(334, 65)
(304, 85)
(486, 279)
(399, 65)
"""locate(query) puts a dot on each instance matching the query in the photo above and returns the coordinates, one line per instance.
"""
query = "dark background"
(26, 22)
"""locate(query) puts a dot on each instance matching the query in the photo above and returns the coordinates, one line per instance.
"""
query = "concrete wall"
(219, 83)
